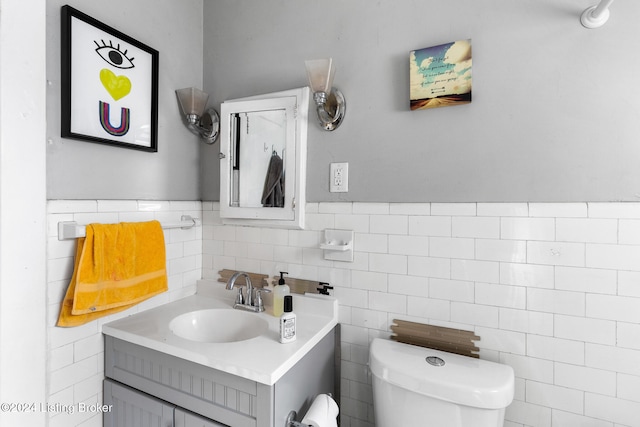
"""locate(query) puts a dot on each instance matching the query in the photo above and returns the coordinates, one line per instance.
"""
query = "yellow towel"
(116, 267)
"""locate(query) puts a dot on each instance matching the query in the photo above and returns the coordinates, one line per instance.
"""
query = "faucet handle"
(323, 288)
(239, 296)
(259, 303)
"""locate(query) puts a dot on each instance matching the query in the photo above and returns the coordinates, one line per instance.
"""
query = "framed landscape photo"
(109, 85)
(440, 76)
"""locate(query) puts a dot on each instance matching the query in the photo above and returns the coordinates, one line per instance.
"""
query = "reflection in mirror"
(263, 153)
(258, 152)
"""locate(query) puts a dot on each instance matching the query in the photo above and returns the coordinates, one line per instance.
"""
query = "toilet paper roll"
(322, 413)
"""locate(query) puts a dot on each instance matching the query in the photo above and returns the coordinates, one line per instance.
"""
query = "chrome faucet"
(248, 303)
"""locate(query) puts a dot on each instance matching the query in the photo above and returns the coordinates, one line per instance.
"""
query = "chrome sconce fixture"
(204, 123)
(330, 103)
(596, 15)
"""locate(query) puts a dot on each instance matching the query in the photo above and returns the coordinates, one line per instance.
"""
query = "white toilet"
(416, 386)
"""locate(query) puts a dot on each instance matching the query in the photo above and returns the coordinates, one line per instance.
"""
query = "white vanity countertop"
(262, 359)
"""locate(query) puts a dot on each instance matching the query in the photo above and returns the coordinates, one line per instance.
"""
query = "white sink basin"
(218, 325)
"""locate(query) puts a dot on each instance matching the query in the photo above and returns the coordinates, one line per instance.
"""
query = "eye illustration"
(113, 55)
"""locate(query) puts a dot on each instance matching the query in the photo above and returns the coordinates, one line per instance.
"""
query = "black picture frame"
(109, 84)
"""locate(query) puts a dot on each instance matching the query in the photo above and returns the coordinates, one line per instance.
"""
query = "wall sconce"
(595, 16)
(330, 103)
(204, 123)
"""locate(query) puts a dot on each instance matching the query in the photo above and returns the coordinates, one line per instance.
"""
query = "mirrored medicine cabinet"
(263, 159)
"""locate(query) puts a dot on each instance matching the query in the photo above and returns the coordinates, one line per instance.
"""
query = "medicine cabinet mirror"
(263, 159)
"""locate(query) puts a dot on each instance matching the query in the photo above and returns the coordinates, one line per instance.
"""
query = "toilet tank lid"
(462, 380)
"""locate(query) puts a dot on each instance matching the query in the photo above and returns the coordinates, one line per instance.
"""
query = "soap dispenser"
(288, 321)
(279, 292)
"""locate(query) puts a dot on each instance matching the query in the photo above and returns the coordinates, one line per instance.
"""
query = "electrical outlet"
(339, 178)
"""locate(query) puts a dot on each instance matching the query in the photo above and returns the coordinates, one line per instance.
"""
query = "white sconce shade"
(330, 103)
(320, 73)
(204, 123)
(192, 100)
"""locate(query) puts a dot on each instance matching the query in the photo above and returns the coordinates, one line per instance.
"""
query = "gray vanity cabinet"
(132, 408)
(150, 388)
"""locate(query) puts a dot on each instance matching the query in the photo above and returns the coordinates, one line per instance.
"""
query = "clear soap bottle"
(288, 322)
(279, 292)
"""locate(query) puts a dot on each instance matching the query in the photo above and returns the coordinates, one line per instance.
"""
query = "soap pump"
(279, 292)
(288, 321)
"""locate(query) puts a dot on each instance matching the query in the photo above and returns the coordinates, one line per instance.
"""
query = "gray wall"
(554, 115)
(83, 170)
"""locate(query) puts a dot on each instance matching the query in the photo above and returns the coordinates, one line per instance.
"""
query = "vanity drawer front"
(214, 394)
(130, 408)
(186, 419)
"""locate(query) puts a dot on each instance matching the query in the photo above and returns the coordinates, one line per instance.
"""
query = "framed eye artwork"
(109, 85)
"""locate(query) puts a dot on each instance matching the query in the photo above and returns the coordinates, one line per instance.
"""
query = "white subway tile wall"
(553, 289)
(76, 361)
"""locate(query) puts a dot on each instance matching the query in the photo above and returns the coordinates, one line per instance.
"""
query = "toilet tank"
(462, 392)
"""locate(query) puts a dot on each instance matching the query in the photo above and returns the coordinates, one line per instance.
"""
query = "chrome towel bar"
(72, 230)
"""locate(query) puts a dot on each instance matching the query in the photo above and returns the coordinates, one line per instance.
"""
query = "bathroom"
(512, 216)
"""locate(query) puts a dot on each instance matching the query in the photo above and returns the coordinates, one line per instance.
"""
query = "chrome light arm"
(207, 127)
(330, 108)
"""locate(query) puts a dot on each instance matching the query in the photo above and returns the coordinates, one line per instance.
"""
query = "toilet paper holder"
(291, 420)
